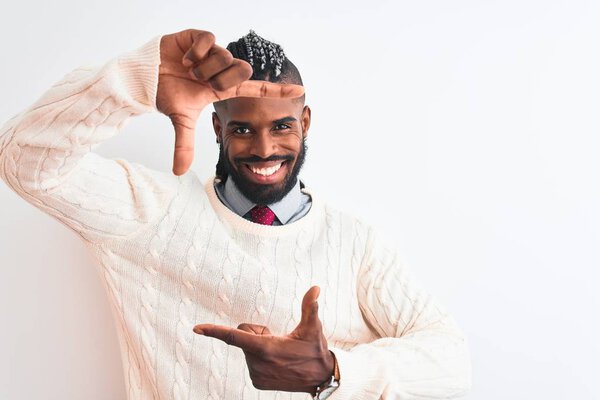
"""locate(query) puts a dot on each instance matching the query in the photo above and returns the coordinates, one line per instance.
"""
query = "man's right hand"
(194, 72)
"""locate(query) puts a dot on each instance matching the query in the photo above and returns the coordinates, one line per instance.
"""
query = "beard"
(261, 194)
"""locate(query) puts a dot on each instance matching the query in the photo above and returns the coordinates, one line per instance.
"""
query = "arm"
(422, 353)
(45, 151)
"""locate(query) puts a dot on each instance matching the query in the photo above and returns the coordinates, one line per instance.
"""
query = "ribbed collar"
(314, 216)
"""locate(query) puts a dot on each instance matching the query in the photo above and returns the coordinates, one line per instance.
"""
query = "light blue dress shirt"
(292, 207)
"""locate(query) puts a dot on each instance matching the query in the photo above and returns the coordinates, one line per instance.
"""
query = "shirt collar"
(284, 209)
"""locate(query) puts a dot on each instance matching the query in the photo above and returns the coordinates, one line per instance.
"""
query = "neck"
(234, 221)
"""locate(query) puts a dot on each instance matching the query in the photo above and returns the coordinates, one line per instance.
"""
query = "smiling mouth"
(266, 172)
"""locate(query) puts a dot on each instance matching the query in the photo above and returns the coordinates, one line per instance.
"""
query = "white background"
(468, 131)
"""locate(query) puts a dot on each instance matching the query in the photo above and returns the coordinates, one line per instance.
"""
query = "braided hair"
(268, 60)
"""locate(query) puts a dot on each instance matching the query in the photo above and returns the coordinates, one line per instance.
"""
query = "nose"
(263, 144)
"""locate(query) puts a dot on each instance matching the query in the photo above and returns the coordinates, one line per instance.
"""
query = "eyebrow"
(277, 121)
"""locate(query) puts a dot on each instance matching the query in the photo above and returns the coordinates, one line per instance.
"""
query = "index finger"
(198, 44)
(233, 337)
(259, 88)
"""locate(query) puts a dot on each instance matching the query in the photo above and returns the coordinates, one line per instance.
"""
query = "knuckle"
(263, 354)
(221, 62)
(181, 120)
(184, 149)
(224, 56)
(203, 41)
(208, 36)
(317, 348)
(198, 73)
(264, 330)
(230, 338)
(266, 352)
(196, 50)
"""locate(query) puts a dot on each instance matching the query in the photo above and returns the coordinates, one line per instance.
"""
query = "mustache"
(241, 160)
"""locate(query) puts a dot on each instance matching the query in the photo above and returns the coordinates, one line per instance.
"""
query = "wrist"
(331, 361)
(328, 367)
(329, 385)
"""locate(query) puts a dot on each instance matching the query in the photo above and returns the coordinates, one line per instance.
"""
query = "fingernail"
(187, 62)
(199, 331)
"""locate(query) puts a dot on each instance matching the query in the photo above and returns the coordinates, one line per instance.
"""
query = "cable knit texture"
(172, 256)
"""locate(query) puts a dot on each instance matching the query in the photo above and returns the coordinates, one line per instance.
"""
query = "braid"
(257, 49)
(237, 50)
(268, 60)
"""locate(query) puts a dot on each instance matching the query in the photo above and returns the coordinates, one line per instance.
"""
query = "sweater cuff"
(138, 70)
(360, 375)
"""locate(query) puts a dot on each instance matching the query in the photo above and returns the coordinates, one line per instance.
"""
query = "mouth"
(266, 172)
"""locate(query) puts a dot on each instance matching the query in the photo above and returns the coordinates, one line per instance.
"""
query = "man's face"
(262, 144)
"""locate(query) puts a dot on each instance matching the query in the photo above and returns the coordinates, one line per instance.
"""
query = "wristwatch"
(325, 389)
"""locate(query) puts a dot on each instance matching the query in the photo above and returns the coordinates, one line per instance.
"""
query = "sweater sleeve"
(46, 151)
(421, 353)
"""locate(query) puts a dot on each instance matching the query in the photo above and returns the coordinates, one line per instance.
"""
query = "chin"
(262, 193)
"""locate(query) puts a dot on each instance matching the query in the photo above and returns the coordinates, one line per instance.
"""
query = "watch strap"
(332, 383)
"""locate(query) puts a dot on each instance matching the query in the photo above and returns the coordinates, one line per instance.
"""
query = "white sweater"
(173, 256)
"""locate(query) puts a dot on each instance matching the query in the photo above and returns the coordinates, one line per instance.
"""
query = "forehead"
(251, 108)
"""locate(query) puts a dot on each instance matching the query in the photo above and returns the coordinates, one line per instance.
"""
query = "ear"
(217, 126)
(305, 121)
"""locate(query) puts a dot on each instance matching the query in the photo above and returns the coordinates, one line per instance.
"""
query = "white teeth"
(266, 171)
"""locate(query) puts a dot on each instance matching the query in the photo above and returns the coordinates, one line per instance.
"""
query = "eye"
(282, 126)
(237, 130)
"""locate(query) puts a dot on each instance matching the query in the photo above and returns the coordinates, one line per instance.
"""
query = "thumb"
(310, 324)
(185, 131)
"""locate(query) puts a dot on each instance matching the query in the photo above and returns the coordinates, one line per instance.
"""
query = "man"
(248, 285)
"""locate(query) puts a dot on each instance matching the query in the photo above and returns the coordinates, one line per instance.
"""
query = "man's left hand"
(297, 362)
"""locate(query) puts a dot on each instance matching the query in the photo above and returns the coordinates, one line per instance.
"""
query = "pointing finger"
(259, 88)
(234, 337)
(237, 72)
(217, 60)
(201, 43)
